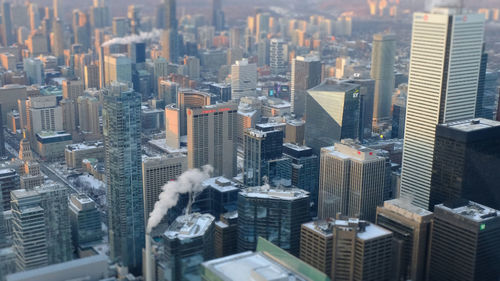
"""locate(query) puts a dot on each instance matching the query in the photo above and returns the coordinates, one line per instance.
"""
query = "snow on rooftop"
(472, 211)
(276, 193)
(222, 184)
(373, 231)
(189, 226)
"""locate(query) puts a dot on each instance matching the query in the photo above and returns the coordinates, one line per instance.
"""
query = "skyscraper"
(58, 43)
(85, 220)
(352, 180)
(278, 56)
(170, 37)
(218, 20)
(243, 79)
(156, 172)
(9, 181)
(41, 226)
(7, 35)
(440, 90)
(190, 99)
(333, 105)
(466, 161)
(411, 228)
(464, 242)
(260, 148)
(122, 138)
(382, 71)
(212, 139)
(118, 68)
(306, 73)
(273, 214)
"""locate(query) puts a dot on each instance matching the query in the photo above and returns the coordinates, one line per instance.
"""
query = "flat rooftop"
(472, 125)
(399, 204)
(334, 86)
(367, 232)
(189, 226)
(222, 184)
(276, 193)
(471, 211)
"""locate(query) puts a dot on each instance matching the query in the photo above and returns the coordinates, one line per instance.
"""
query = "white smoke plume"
(190, 181)
(134, 38)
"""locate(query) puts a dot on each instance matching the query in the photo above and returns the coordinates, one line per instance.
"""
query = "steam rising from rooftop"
(134, 38)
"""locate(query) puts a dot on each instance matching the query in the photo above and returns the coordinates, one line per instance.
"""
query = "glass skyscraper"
(122, 137)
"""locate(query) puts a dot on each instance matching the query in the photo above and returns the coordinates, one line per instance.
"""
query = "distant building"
(243, 79)
(351, 181)
(274, 214)
(306, 74)
(333, 105)
(466, 161)
(278, 56)
(464, 242)
(9, 181)
(118, 68)
(411, 227)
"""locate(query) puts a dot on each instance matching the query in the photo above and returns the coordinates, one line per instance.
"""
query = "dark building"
(481, 83)
(2, 137)
(273, 214)
(218, 19)
(304, 171)
(332, 114)
(7, 35)
(367, 93)
(222, 92)
(466, 162)
(226, 235)
(464, 242)
(137, 52)
(9, 181)
(260, 147)
(306, 73)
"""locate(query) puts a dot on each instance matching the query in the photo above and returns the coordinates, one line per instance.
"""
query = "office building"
(466, 161)
(226, 235)
(9, 181)
(221, 91)
(438, 92)
(88, 115)
(188, 241)
(120, 26)
(411, 227)
(190, 99)
(351, 181)
(243, 79)
(464, 242)
(118, 68)
(75, 154)
(122, 138)
(167, 91)
(399, 113)
(268, 263)
(41, 226)
(58, 38)
(304, 174)
(85, 220)
(156, 172)
(7, 35)
(34, 70)
(261, 147)
(306, 74)
(353, 249)
(278, 56)
(212, 139)
(91, 76)
(382, 71)
(333, 105)
(273, 214)
(218, 20)
(43, 114)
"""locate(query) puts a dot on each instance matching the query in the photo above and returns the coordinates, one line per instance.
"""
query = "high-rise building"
(9, 181)
(382, 71)
(218, 20)
(304, 171)
(466, 161)
(34, 70)
(88, 115)
(464, 242)
(243, 79)
(226, 235)
(43, 114)
(122, 138)
(156, 172)
(306, 74)
(120, 26)
(7, 35)
(91, 76)
(212, 139)
(41, 226)
(167, 91)
(58, 42)
(57, 6)
(333, 105)
(85, 220)
(351, 181)
(190, 99)
(188, 241)
(118, 67)
(262, 25)
(278, 56)
(411, 228)
(440, 90)
(261, 147)
(347, 249)
(274, 214)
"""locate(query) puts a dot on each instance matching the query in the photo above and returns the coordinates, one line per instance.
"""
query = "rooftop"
(274, 193)
(348, 149)
(222, 184)
(334, 86)
(189, 226)
(405, 207)
(365, 230)
(84, 146)
(471, 125)
(470, 210)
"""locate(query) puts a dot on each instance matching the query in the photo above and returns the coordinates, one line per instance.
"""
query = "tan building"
(68, 107)
(356, 249)
(172, 126)
(9, 61)
(294, 132)
(91, 76)
(411, 228)
(156, 172)
(212, 139)
(51, 145)
(88, 116)
(43, 114)
(9, 95)
(72, 89)
(75, 153)
(37, 43)
(187, 98)
(352, 181)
